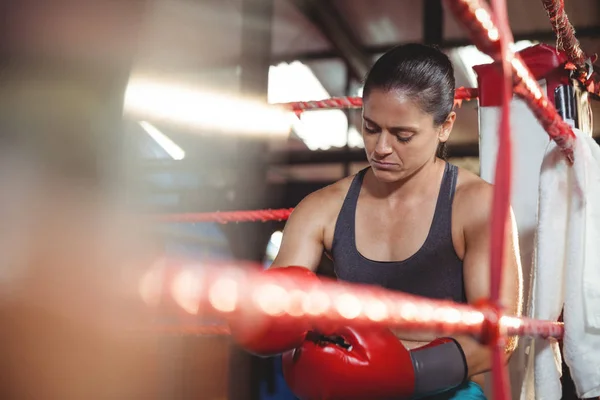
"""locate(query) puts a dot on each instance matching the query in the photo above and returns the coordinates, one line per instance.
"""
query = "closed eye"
(404, 139)
(370, 129)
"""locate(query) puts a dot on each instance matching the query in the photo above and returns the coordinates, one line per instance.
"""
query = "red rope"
(397, 309)
(501, 201)
(565, 36)
(224, 217)
(334, 103)
(526, 327)
(566, 41)
(337, 103)
(475, 15)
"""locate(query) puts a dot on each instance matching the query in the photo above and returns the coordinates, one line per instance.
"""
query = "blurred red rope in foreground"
(224, 217)
(204, 291)
(501, 199)
(338, 103)
(476, 17)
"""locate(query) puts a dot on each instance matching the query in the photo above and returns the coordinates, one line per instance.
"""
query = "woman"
(409, 222)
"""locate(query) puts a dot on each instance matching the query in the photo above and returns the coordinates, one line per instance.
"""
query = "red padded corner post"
(544, 62)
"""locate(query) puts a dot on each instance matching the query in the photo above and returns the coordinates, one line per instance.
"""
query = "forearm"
(479, 357)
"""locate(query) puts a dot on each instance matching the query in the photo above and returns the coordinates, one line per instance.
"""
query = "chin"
(388, 176)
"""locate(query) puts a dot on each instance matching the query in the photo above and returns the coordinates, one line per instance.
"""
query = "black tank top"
(434, 271)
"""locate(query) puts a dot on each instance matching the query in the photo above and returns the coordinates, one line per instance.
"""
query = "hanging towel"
(566, 272)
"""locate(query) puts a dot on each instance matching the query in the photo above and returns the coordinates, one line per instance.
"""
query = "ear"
(446, 127)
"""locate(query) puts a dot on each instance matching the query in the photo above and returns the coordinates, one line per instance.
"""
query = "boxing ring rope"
(501, 193)
(579, 61)
(349, 102)
(566, 39)
(227, 291)
(225, 217)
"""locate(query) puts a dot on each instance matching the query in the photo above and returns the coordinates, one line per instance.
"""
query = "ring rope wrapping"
(565, 37)
(579, 61)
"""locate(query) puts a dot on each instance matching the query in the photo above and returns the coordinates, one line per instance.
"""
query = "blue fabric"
(281, 390)
(467, 391)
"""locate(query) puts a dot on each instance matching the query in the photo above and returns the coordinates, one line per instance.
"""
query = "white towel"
(566, 272)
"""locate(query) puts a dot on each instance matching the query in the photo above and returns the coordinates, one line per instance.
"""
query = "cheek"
(427, 143)
(416, 149)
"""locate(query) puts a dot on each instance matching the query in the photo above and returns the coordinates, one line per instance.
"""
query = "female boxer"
(411, 221)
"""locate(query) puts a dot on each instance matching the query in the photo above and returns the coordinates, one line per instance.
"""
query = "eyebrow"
(394, 128)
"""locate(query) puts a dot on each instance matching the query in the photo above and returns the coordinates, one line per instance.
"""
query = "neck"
(417, 182)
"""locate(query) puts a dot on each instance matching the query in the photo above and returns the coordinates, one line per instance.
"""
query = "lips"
(383, 165)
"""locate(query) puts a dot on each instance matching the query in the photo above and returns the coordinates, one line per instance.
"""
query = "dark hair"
(424, 73)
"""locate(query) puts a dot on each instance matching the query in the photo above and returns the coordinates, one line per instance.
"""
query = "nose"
(383, 146)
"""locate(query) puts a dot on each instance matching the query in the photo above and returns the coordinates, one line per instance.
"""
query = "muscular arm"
(476, 266)
(302, 242)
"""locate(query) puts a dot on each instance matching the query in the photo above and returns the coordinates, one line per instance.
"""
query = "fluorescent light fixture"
(163, 141)
(355, 139)
(150, 99)
(320, 129)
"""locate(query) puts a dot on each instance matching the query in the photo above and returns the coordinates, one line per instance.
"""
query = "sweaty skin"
(398, 196)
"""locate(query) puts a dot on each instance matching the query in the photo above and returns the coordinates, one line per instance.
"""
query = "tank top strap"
(345, 224)
(441, 227)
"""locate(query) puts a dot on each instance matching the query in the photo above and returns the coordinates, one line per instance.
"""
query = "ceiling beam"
(326, 18)
(433, 22)
(294, 157)
(591, 32)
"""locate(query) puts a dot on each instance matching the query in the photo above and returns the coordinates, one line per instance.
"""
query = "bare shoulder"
(473, 197)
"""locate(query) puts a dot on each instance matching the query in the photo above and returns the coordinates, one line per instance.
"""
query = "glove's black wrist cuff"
(439, 367)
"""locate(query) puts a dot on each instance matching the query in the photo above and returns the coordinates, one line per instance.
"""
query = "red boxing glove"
(353, 364)
(360, 364)
(263, 335)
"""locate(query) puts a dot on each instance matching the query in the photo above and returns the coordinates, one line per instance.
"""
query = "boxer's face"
(399, 136)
